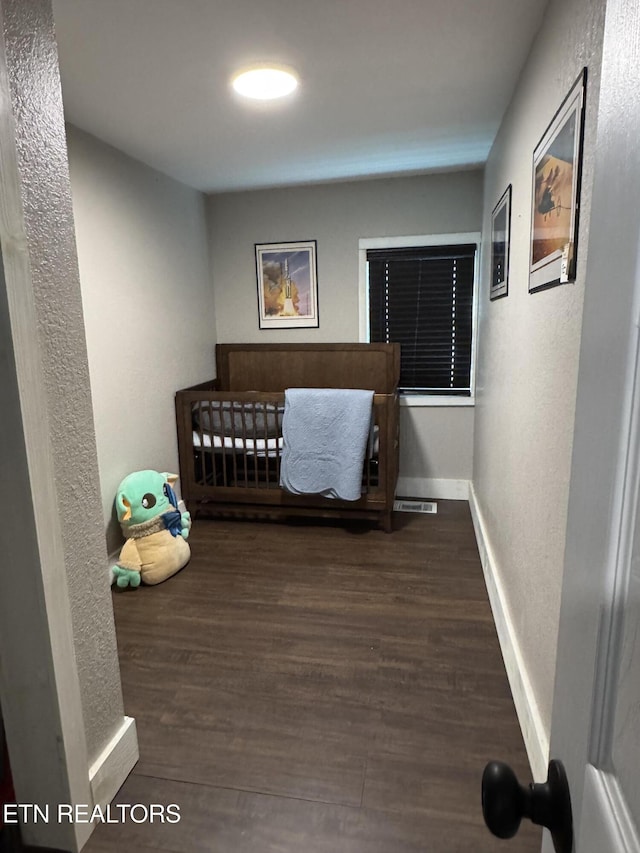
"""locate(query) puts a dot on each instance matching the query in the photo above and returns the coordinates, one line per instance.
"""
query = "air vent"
(415, 506)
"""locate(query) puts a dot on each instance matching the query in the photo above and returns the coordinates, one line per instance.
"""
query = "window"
(421, 296)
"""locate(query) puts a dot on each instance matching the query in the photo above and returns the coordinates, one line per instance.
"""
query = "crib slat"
(243, 420)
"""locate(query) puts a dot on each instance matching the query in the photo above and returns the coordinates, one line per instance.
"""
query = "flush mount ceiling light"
(265, 82)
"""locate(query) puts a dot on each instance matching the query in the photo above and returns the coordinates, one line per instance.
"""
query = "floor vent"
(415, 506)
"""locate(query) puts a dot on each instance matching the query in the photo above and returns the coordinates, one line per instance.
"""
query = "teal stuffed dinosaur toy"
(155, 530)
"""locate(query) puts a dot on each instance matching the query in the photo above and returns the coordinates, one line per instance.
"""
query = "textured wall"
(148, 306)
(336, 216)
(528, 354)
(48, 222)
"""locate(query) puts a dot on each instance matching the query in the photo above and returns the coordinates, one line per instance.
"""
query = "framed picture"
(557, 168)
(500, 242)
(287, 285)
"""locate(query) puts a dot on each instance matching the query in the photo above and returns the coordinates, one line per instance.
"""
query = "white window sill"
(432, 400)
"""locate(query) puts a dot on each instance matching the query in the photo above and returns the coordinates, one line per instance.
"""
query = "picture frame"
(500, 245)
(555, 202)
(287, 285)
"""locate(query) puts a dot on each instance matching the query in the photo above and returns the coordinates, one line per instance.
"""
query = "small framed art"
(557, 168)
(500, 244)
(287, 285)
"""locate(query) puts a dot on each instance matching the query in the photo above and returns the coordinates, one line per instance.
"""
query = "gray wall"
(336, 216)
(59, 677)
(528, 357)
(148, 306)
(60, 343)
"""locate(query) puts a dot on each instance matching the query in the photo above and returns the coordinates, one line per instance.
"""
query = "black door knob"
(505, 802)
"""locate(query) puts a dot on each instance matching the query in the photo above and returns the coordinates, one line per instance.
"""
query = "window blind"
(422, 298)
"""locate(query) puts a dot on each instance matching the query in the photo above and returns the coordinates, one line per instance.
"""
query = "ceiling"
(388, 87)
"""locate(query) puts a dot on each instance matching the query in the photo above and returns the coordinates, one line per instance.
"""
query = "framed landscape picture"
(557, 167)
(500, 243)
(287, 285)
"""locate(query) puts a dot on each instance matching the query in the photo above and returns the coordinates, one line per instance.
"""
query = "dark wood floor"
(317, 689)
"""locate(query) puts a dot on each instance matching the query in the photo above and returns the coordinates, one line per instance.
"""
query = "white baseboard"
(115, 762)
(433, 489)
(536, 739)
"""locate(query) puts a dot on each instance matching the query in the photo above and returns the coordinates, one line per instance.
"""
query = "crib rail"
(230, 447)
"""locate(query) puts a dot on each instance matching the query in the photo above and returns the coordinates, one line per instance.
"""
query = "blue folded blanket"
(325, 433)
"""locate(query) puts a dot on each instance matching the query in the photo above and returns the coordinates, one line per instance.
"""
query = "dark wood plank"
(317, 687)
(248, 367)
(214, 820)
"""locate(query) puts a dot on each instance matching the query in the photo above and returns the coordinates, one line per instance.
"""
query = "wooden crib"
(230, 429)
